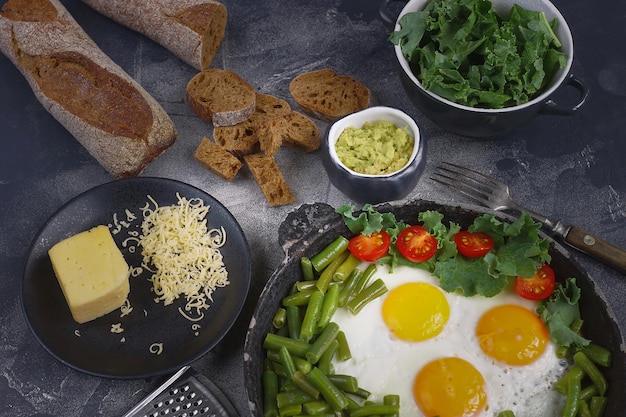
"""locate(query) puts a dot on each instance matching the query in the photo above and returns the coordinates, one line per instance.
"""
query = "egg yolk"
(415, 311)
(512, 334)
(449, 387)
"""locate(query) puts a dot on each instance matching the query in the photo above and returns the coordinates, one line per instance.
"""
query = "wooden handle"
(598, 248)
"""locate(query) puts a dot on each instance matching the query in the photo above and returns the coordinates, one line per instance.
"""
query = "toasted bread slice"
(293, 129)
(269, 178)
(221, 97)
(242, 139)
(217, 160)
(327, 96)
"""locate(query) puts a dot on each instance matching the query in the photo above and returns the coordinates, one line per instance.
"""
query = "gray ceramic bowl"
(366, 188)
(476, 122)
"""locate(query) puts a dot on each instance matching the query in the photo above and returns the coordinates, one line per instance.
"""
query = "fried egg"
(448, 355)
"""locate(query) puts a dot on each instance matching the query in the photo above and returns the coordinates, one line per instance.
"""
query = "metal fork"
(496, 195)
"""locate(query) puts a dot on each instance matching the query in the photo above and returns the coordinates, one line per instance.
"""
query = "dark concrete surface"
(570, 167)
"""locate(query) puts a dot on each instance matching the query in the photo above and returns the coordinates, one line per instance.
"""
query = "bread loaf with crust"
(192, 30)
(109, 113)
(220, 97)
(327, 96)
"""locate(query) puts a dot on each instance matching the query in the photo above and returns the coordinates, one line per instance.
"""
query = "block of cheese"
(92, 273)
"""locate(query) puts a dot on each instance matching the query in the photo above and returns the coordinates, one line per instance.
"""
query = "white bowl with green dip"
(374, 155)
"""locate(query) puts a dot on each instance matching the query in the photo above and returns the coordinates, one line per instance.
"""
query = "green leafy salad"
(463, 51)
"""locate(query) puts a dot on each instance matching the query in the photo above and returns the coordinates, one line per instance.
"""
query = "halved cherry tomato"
(538, 287)
(370, 248)
(473, 244)
(416, 244)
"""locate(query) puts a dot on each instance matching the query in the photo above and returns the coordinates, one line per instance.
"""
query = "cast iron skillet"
(310, 228)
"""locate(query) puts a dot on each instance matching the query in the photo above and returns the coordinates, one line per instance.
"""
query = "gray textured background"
(571, 167)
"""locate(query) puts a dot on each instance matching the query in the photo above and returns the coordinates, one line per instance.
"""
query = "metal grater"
(186, 394)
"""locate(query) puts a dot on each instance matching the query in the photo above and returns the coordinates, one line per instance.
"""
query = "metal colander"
(186, 394)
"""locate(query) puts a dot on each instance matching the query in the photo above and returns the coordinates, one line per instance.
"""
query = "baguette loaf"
(221, 97)
(191, 29)
(218, 160)
(242, 139)
(327, 96)
(110, 114)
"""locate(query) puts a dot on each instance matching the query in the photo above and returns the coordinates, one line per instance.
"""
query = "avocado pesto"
(377, 148)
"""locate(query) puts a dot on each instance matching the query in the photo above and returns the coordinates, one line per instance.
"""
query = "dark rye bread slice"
(327, 96)
(242, 139)
(265, 171)
(108, 112)
(293, 129)
(220, 97)
(217, 160)
(192, 30)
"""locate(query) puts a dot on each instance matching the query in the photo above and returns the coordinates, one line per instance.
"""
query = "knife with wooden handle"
(594, 246)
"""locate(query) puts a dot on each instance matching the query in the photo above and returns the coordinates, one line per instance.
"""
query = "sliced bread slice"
(269, 178)
(217, 160)
(221, 97)
(327, 96)
(293, 129)
(242, 139)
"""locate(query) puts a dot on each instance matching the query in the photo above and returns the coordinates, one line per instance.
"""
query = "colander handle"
(385, 13)
(551, 107)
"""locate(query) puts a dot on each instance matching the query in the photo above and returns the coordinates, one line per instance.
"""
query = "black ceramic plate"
(312, 227)
(92, 347)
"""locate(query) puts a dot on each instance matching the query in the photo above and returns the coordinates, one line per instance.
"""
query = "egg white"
(384, 364)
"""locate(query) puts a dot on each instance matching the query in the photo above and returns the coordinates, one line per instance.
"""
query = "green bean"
(329, 253)
(392, 399)
(306, 285)
(581, 359)
(576, 325)
(311, 316)
(575, 372)
(290, 410)
(329, 306)
(325, 363)
(345, 269)
(279, 318)
(307, 269)
(364, 279)
(296, 396)
(597, 405)
(315, 408)
(295, 347)
(322, 342)
(506, 413)
(333, 395)
(282, 331)
(375, 409)
(326, 276)
(299, 298)
(294, 321)
(352, 404)
(598, 354)
(343, 351)
(374, 290)
(587, 392)
(286, 361)
(299, 379)
(301, 363)
(583, 409)
(346, 383)
(573, 396)
(362, 393)
(348, 287)
(270, 391)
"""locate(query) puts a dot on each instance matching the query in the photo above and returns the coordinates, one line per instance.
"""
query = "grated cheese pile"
(182, 254)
